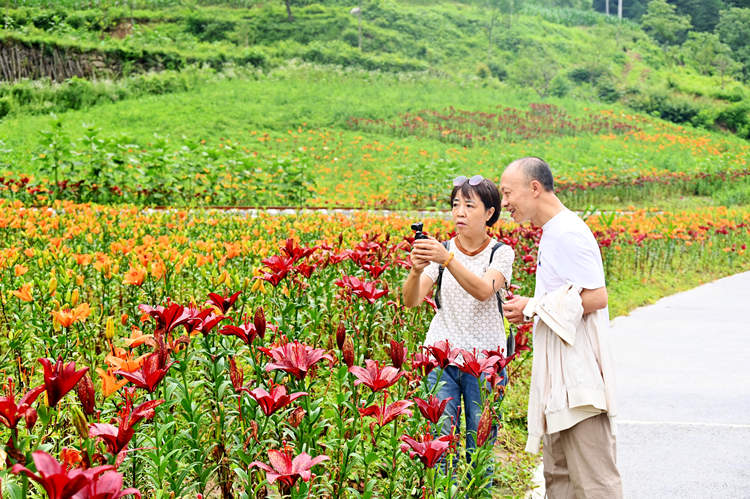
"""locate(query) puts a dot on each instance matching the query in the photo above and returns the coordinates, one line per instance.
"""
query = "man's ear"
(536, 188)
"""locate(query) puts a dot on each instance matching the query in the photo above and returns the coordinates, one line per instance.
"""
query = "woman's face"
(469, 214)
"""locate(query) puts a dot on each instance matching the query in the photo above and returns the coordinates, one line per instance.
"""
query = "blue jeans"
(458, 384)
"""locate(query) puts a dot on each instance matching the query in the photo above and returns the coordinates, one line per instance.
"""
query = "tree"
(535, 71)
(704, 14)
(734, 30)
(632, 9)
(663, 23)
(289, 15)
(709, 56)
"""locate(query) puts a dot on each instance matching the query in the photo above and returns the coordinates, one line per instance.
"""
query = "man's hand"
(513, 309)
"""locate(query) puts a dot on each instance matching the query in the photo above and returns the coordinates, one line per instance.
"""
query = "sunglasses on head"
(462, 179)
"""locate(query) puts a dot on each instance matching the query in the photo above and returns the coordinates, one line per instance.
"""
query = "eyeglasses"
(473, 181)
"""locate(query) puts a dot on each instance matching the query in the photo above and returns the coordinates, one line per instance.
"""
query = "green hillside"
(152, 96)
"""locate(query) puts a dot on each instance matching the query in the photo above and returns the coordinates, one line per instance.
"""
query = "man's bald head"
(535, 168)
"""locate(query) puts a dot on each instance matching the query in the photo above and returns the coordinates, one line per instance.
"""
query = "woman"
(468, 316)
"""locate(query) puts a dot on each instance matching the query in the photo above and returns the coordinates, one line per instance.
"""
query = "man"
(571, 399)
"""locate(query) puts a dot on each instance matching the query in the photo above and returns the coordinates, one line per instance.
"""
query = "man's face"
(517, 194)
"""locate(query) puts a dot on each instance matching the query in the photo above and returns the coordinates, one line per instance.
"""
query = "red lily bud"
(340, 335)
(485, 425)
(30, 416)
(259, 321)
(236, 375)
(347, 351)
(85, 391)
(397, 352)
(296, 417)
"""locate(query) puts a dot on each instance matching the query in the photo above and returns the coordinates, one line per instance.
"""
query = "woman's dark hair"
(486, 191)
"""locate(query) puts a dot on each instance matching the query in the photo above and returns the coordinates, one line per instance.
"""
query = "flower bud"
(52, 285)
(340, 335)
(85, 391)
(109, 328)
(80, 422)
(296, 417)
(124, 319)
(485, 425)
(347, 351)
(236, 375)
(259, 321)
(74, 297)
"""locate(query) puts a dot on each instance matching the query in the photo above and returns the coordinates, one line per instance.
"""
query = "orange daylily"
(64, 317)
(135, 276)
(81, 312)
(122, 360)
(110, 383)
(23, 293)
(137, 338)
(20, 270)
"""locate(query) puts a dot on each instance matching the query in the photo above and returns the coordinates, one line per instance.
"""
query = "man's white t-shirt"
(568, 252)
(462, 319)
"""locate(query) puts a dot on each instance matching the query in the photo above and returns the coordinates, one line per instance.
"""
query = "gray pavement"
(683, 389)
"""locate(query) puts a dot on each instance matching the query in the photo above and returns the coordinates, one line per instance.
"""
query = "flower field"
(215, 354)
(399, 163)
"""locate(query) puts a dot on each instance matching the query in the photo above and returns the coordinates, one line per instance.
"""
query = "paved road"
(683, 385)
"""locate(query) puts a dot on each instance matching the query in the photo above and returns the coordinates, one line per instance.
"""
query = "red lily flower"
(208, 321)
(295, 358)
(246, 332)
(272, 402)
(432, 408)
(296, 252)
(397, 352)
(58, 482)
(364, 289)
(279, 264)
(117, 438)
(429, 449)
(502, 359)
(154, 368)
(11, 414)
(374, 376)
(167, 318)
(522, 339)
(443, 353)
(59, 380)
(305, 269)
(106, 485)
(221, 302)
(375, 269)
(287, 470)
(384, 414)
(423, 363)
(475, 367)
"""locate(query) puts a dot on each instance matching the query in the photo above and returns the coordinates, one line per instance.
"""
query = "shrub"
(5, 106)
(607, 91)
(483, 71)
(736, 118)
(498, 70)
(559, 86)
